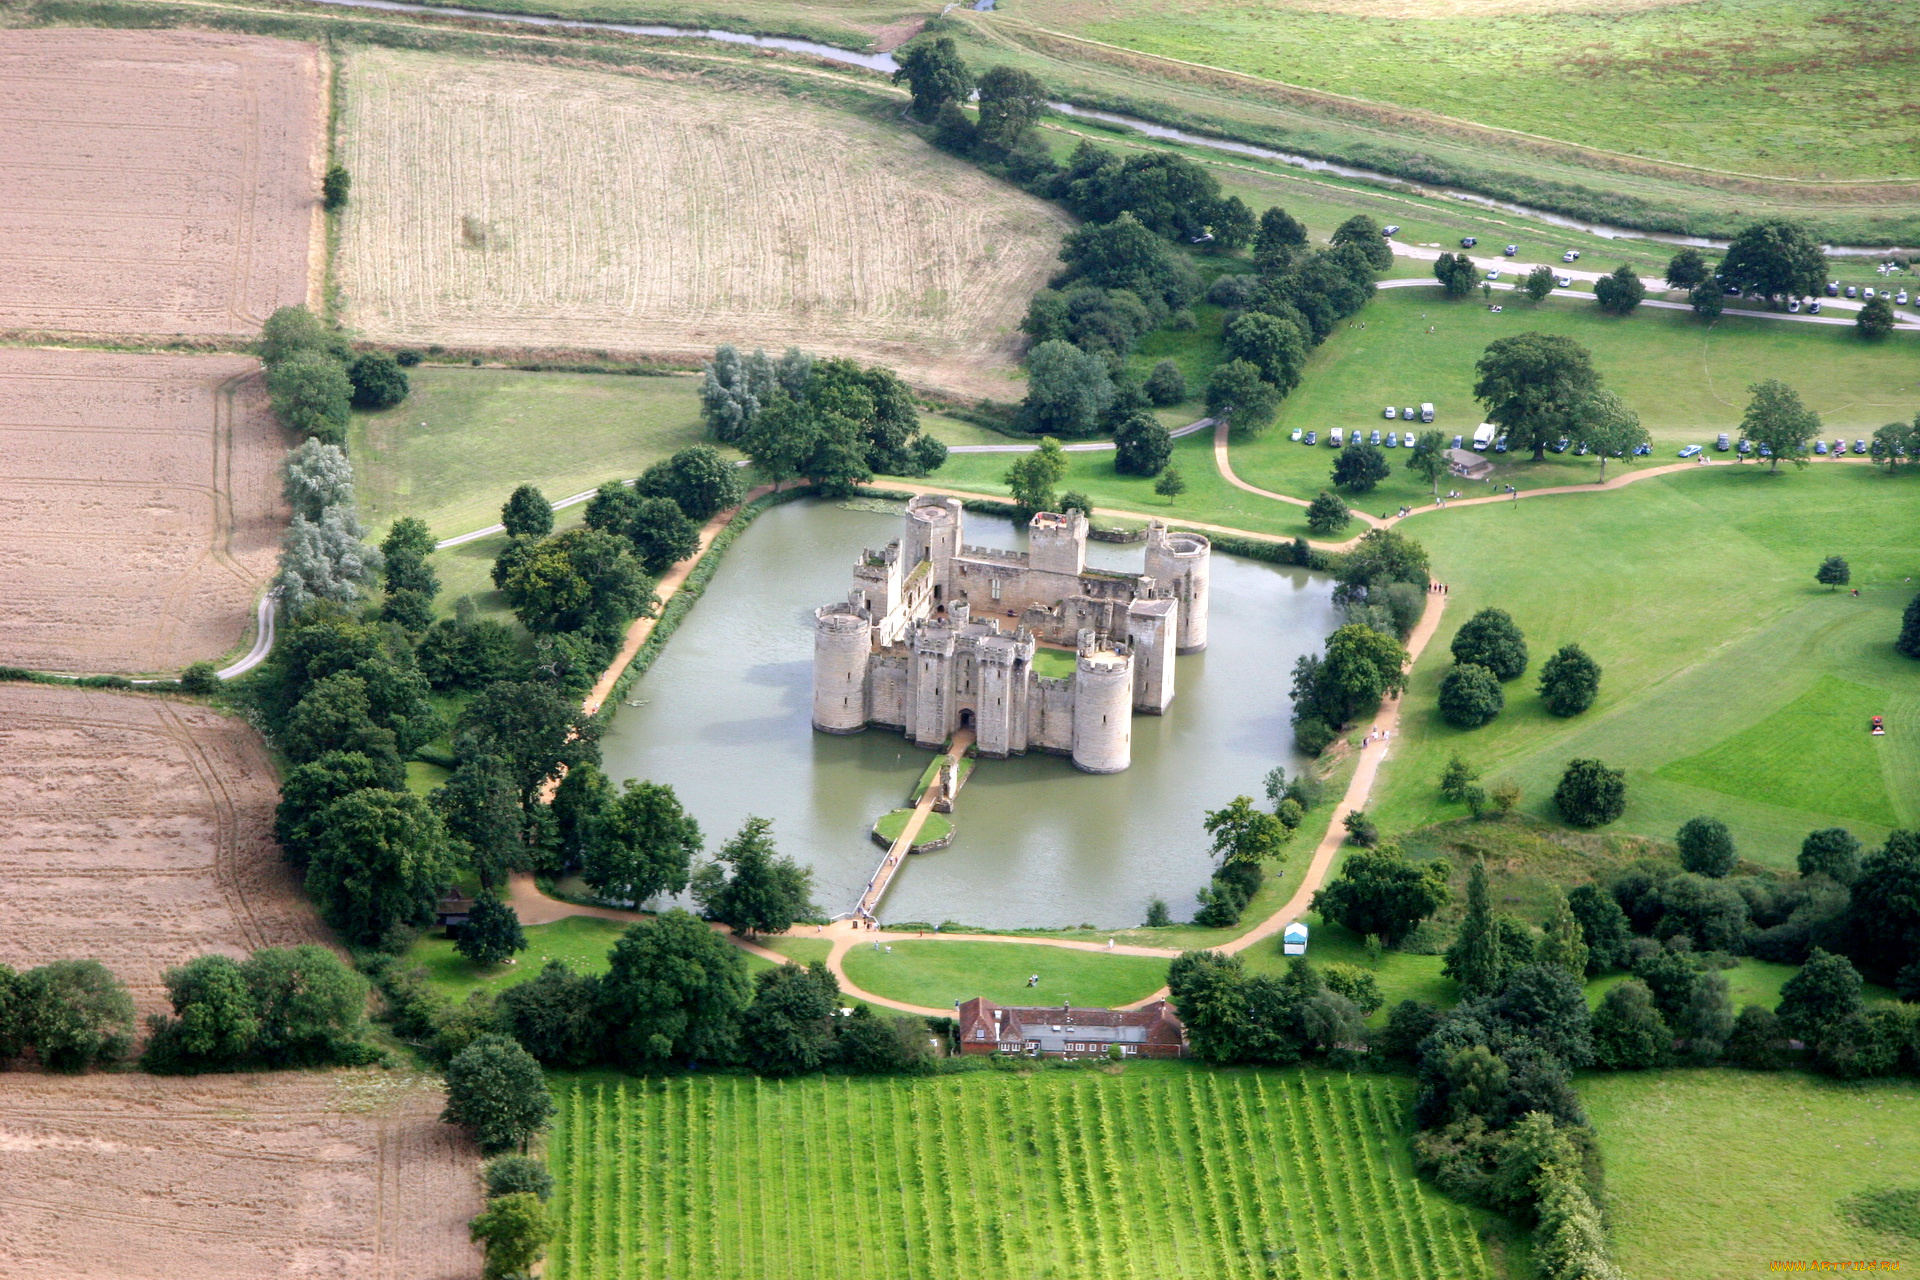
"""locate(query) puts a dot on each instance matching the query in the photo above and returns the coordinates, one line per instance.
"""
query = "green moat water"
(724, 719)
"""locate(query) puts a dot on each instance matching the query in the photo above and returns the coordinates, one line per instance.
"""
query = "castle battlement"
(907, 650)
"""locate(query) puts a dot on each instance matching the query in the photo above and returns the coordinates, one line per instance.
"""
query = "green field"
(1158, 1171)
(939, 974)
(1713, 1175)
(1695, 593)
(938, 826)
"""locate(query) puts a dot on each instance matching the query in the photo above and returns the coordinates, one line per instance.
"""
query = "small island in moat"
(937, 637)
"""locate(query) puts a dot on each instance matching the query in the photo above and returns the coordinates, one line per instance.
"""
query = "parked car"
(1496, 308)
(1297, 433)
(1833, 288)
(1867, 293)
(1560, 445)
(1467, 242)
(1839, 446)
(1901, 297)
(1375, 439)
(1820, 447)
(1724, 443)
(1794, 306)
(1493, 275)
(1766, 451)
(1391, 413)
(1580, 450)
(1391, 229)
(1393, 439)
(1313, 437)
(1571, 255)
(1852, 292)
(1746, 447)
(1511, 249)
(1642, 450)
(1333, 438)
(1500, 445)
(1456, 442)
(1565, 282)
(1407, 413)
(1205, 237)
(1859, 446)
(1690, 451)
(1813, 308)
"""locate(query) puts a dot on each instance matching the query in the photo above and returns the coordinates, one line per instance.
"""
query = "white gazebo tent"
(1293, 939)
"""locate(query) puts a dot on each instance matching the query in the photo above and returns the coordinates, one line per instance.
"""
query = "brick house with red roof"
(1062, 1031)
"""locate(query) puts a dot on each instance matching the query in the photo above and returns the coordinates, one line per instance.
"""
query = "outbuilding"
(1469, 464)
(1063, 1031)
(1293, 939)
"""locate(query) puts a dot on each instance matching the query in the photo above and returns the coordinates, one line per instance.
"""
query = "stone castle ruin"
(937, 636)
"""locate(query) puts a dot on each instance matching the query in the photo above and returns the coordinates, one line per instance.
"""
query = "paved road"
(263, 632)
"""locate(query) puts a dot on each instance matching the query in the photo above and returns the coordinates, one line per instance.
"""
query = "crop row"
(1272, 1175)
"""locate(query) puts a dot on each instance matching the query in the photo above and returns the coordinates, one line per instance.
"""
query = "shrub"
(1570, 681)
(1361, 829)
(335, 186)
(378, 381)
(1706, 847)
(1590, 794)
(496, 1091)
(1165, 385)
(200, 677)
(1328, 514)
(311, 393)
(1490, 639)
(512, 1175)
(1470, 696)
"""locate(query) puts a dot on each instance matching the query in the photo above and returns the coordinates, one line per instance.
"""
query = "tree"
(788, 1029)
(527, 514)
(309, 788)
(1361, 828)
(1707, 300)
(1885, 919)
(1896, 444)
(532, 728)
(1456, 273)
(1141, 446)
(868, 1044)
(697, 478)
(1590, 794)
(1707, 1021)
(1165, 385)
(1127, 254)
(1361, 669)
(1068, 390)
(1539, 283)
(317, 476)
(661, 534)
(1470, 696)
(1231, 225)
(514, 1230)
(1360, 467)
(323, 560)
(77, 1015)
(294, 329)
(311, 1005)
(1628, 1032)
(642, 844)
(334, 187)
(311, 393)
(1825, 991)
(496, 1092)
(1379, 893)
(1010, 101)
(1833, 573)
(1875, 319)
(765, 893)
(1327, 514)
(1242, 833)
(1777, 421)
(1429, 460)
(1569, 681)
(556, 1017)
(934, 74)
(1074, 500)
(216, 1023)
(405, 550)
(1831, 852)
(481, 809)
(1603, 926)
(1908, 641)
(1475, 960)
(1238, 393)
(1548, 1006)
(1279, 236)
(15, 1030)
(1757, 1043)
(336, 715)
(378, 381)
(1706, 848)
(1171, 484)
(1712, 913)
(580, 580)
(1033, 475)
(1364, 233)
(1775, 259)
(1620, 291)
(1563, 944)
(1270, 344)
(1608, 427)
(1491, 639)
(1688, 268)
(200, 677)
(492, 931)
(1457, 778)
(674, 992)
(1532, 385)
(379, 860)
(513, 1174)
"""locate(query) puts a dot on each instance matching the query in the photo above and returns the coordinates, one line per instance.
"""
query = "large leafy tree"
(643, 844)
(480, 806)
(1273, 345)
(934, 74)
(1380, 893)
(1381, 558)
(1533, 385)
(492, 932)
(1609, 427)
(1590, 794)
(1033, 475)
(310, 392)
(1470, 696)
(1825, 992)
(527, 514)
(77, 1015)
(1885, 919)
(1876, 318)
(764, 893)
(1706, 847)
(1619, 291)
(788, 1029)
(1775, 259)
(1011, 100)
(1628, 1032)
(1364, 234)
(496, 1091)
(1068, 390)
(216, 1018)
(1832, 852)
(581, 580)
(1603, 927)
(697, 478)
(555, 1016)
(310, 1004)
(514, 1230)
(1362, 667)
(1242, 833)
(1429, 460)
(1327, 514)
(380, 859)
(673, 993)
(1126, 254)
(1688, 268)
(1569, 681)
(1456, 274)
(1238, 393)
(535, 729)
(1141, 446)
(309, 788)
(1278, 238)
(1777, 420)
(1477, 960)
(1360, 467)
(1491, 638)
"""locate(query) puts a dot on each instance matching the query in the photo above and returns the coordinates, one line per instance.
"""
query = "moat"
(725, 719)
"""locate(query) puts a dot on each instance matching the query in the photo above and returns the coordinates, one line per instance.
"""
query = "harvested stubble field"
(140, 508)
(532, 207)
(1162, 1170)
(247, 1177)
(160, 182)
(137, 831)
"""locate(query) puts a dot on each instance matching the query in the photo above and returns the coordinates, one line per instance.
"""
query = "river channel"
(723, 716)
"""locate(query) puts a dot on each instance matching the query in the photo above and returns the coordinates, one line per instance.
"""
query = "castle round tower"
(841, 643)
(1103, 712)
(1179, 564)
(933, 533)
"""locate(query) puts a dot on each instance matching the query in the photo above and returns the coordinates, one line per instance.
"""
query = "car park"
(1690, 451)
(1333, 438)
(1511, 249)
(1833, 288)
(1839, 446)
(1813, 308)
(1571, 255)
(1391, 229)
(1560, 445)
(1313, 437)
(1297, 433)
(1820, 447)
(1467, 242)
(1483, 436)
(1724, 443)
(1867, 293)
(1393, 439)
(1391, 413)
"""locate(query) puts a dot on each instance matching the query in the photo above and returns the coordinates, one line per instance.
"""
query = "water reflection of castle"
(937, 636)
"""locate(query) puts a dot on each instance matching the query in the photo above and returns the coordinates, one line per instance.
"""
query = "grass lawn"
(1154, 1169)
(1695, 594)
(1686, 380)
(582, 941)
(1400, 975)
(1712, 1175)
(938, 826)
(936, 974)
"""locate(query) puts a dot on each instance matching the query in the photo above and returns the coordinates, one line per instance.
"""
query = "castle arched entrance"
(966, 719)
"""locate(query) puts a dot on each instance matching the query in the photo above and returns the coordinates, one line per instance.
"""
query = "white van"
(1483, 436)
(1333, 437)
(1426, 412)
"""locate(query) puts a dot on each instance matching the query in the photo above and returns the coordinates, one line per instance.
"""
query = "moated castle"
(937, 636)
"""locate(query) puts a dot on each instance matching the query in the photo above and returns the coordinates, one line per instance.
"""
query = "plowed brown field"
(140, 508)
(158, 182)
(521, 206)
(250, 1177)
(137, 832)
